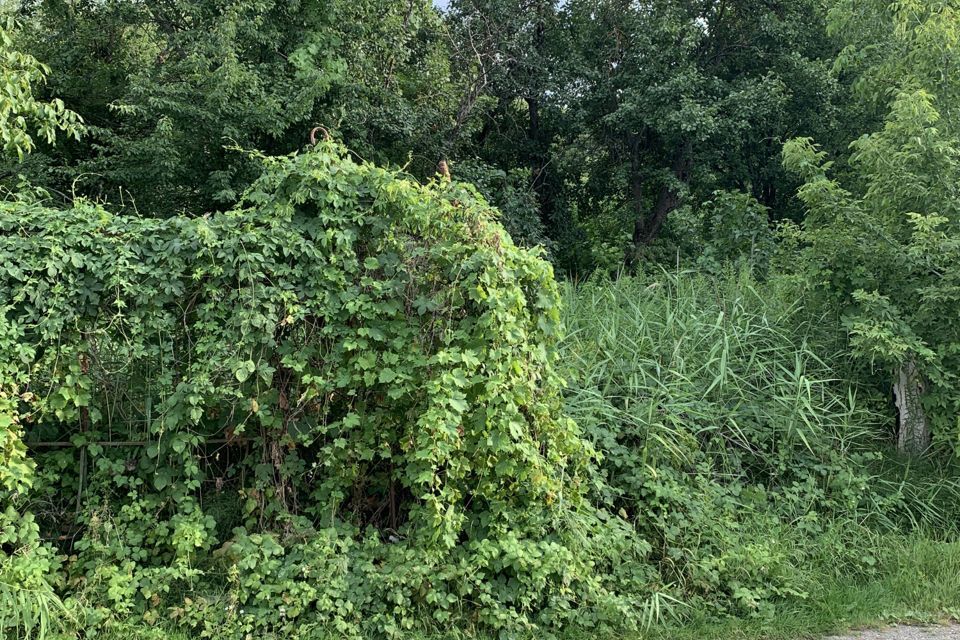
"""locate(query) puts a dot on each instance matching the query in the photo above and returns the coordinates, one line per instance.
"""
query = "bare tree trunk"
(914, 435)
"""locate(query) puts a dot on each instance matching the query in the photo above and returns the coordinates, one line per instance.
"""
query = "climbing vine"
(363, 363)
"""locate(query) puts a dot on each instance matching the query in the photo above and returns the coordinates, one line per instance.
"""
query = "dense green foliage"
(22, 115)
(384, 353)
(730, 440)
(882, 240)
(167, 89)
(615, 117)
(283, 354)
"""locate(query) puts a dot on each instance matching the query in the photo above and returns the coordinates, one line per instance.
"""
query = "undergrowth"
(720, 474)
(333, 408)
(731, 437)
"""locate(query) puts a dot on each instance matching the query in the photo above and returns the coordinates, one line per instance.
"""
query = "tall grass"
(29, 612)
(685, 364)
(733, 436)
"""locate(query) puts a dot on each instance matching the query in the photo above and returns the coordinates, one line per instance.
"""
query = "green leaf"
(244, 370)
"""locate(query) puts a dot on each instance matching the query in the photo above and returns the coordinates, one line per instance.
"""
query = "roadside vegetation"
(489, 319)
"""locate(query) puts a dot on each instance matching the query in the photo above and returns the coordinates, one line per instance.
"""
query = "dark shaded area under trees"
(590, 122)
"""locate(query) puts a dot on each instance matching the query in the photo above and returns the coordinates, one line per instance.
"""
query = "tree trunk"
(637, 143)
(647, 228)
(538, 162)
(537, 159)
(914, 433)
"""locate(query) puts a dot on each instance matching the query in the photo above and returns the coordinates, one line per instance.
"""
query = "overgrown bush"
(364, 365)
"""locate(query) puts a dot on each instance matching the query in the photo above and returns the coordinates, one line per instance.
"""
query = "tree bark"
(914, 435)
(647, 228)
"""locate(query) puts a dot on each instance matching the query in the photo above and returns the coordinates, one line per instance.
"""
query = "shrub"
(365, 363)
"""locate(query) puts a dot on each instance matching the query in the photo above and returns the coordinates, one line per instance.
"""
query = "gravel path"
(905, 632)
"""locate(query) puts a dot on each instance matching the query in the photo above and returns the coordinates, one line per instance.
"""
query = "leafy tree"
(883, 242)
(511, 61)
(170, 88)
(22, 114)
(615, 115)
(675, 99)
